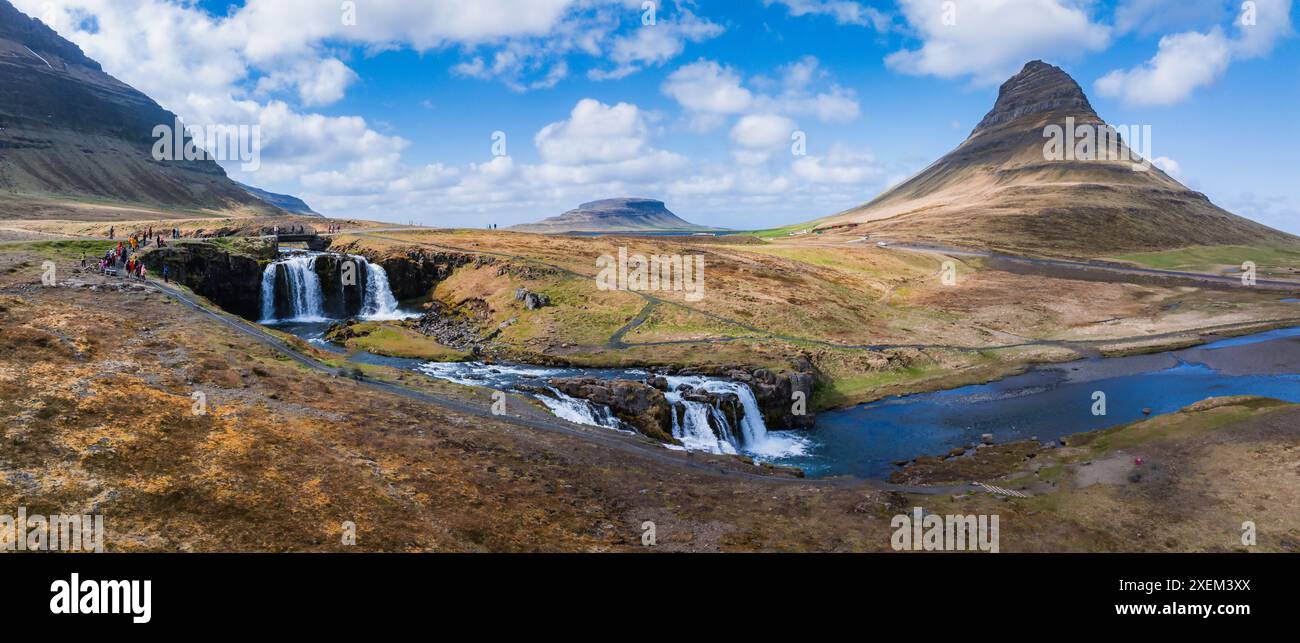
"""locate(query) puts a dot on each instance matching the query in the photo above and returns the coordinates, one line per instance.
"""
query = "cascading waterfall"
(695, 431)
(380, 304)
(580, 411)
(304, 299)
(698, 424)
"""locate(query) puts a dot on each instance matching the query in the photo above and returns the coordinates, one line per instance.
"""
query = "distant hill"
(69, 131)
(1000, 190)
(290, 204)
(615, 215)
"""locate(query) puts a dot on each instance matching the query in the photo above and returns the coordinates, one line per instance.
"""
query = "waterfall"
(379, 303)
(695, 430)
(268, 292)
(304, 300)
(580, 411)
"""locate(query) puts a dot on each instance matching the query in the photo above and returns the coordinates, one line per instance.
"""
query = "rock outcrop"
(459, 329)
(231, 281)
(531, 300)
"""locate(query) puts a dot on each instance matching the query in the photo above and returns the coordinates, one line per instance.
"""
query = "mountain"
(1007, 187)
(71, 133)
(615, 215)
(288, 203)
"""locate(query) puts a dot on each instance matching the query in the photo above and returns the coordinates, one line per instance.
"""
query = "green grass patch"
(73, 248)
(398, 341)
(1210, 258)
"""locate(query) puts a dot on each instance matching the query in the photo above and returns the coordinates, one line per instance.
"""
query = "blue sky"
(391, 115)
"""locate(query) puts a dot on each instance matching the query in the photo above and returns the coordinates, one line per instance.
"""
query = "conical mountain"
(1007, 187)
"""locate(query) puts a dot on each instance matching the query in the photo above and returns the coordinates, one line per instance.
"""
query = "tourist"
(166, 274)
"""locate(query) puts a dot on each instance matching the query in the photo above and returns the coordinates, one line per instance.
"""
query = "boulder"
(531, 300)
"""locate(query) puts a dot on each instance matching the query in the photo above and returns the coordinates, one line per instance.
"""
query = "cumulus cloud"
(710, 93)
(594, 133)
(989, 40)
(707, 87)
(1183, 63)
(1190, 60)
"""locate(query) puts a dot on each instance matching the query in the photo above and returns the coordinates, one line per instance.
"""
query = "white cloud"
(711, 92)
(656, 44)
(705, 86)
(1190, 60)
(317, 83)
(594, 133)
(763, 132)
(989, 40)
(1169, 166)
(841, 166)
(845, 12)
(1183, 63)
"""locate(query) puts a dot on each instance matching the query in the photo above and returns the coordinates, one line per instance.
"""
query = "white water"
(694, 429)
(380, 303)
(580, 411)
(752, 437)
(304, 296)
(306, 300)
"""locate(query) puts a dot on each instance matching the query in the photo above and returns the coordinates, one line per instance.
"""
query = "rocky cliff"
(232, 281)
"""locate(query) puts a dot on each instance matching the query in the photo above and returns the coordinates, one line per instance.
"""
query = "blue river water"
(1045, 403)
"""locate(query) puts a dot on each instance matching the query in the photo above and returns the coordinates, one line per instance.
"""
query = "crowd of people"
(124, 259)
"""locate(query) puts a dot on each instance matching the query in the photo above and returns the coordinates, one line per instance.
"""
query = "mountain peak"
(1039, 88)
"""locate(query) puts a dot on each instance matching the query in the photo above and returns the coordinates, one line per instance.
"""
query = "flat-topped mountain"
(70, 132)
(1023, 182)
(615, 215)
